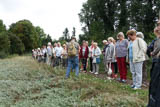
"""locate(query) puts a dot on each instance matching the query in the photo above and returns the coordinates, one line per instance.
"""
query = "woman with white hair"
(110, 56)
(96, 58)
(144, 70)
(121, 53)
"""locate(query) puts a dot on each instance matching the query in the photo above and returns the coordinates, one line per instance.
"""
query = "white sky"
(51, 15)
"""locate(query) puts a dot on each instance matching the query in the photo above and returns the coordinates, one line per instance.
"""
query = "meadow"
(27, 83)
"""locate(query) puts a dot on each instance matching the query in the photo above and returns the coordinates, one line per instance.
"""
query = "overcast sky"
(51, 15)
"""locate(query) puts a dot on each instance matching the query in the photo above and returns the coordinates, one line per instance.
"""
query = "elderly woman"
(96, 58)
(144, 71)
(110, 55)
(121, 53)
(137, 50)
(84, 51)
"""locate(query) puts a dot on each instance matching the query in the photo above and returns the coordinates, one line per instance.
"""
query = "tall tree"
(26, 32)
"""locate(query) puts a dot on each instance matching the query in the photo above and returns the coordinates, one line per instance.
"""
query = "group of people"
(132, 51)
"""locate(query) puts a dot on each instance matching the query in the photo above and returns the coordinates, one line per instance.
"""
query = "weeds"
(26, 83)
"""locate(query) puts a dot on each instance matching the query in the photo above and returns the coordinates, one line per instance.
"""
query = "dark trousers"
(58, 61)
(64, 62)
(91, 63)
(84, 63)
(154, 88)
(144, 72)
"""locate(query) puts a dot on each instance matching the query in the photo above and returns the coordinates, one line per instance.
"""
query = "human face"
(84, 44)
(120, 37)
(132, 37)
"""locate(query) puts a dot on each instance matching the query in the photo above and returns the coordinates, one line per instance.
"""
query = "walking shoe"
(124, 81)
(96, 73)
(132, 86)
(137, 88)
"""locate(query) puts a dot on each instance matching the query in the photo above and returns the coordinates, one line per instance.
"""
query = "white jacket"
(139, 50)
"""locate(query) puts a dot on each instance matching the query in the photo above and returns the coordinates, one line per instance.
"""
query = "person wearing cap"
(137, 51)
(154, 88)
(144, 70)
(121, 54)
(73, 60)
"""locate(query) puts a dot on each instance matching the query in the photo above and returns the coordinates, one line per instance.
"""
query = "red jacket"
(86, 53)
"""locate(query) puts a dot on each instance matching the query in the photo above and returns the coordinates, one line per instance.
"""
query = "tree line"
(21, 37)
(104, 18)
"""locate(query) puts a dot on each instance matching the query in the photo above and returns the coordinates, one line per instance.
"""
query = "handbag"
(109, 70)
(98, 60)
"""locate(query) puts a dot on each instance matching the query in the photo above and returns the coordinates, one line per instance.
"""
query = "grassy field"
(26, 83)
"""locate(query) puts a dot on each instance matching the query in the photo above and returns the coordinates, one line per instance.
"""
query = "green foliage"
(105, 17)
(17, 47)
(4, 44)
(27, 33)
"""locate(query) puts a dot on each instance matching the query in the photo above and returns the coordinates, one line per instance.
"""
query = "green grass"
(26, 83)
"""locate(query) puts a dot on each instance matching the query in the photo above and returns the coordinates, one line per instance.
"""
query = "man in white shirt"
(58, 53)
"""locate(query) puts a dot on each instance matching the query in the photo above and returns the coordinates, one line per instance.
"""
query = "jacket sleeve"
(143, 45)
(157, 49)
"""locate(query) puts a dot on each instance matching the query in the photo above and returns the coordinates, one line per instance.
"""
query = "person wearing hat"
(73, 57)
(154, 88)
(121, 54)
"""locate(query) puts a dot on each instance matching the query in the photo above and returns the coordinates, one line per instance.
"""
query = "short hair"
(120, 34)
(104, 41)
(111, 39)
(95, 43)
(140, 35)
(131, 32)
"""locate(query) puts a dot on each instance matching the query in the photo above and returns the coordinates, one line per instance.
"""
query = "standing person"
(144, 70)
(84, 51)
(64, 56)
(137, 50)
(58, 53)
(110, 56)
(73, 53)
(49, 53)
(121, 53)
(96, 58)
(154, 88)
(44, 54)
(103, 52)
(90, 56)
(39, 54)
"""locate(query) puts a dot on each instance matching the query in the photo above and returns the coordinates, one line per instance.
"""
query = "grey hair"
(120, 34)
(140, 35)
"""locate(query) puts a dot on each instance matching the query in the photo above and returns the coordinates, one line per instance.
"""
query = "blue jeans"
(72, 61)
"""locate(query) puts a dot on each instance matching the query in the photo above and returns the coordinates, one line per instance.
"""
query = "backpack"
(72, 49)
